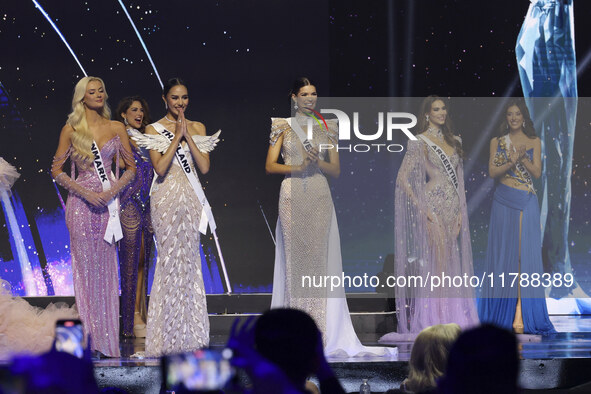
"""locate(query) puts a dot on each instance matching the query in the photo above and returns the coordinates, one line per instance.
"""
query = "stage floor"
(572, 341)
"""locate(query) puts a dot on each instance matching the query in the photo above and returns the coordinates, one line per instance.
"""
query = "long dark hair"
(446, 129)
(298, 84)
(124, 105)
(528, 129)
(171, 83)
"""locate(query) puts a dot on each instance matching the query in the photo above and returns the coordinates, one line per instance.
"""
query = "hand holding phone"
(69, 337)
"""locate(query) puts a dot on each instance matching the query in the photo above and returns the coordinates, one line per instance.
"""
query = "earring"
(295, 105)
(125, 121)
(523, 125)
(427, 118)
(166, 105)
(506, 126)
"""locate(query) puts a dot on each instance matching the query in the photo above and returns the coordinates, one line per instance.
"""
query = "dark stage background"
(239, 59)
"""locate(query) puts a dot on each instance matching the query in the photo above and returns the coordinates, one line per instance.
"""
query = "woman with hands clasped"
(514, 238)
(93, 143)
(307, 232)
(177, 314)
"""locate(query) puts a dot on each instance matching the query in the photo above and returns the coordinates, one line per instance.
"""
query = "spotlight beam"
(59, 33)
(141, 42)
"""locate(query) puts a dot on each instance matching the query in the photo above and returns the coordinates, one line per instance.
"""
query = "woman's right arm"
(61, 178)
(497, 171)
(161, 162)
(272, 166)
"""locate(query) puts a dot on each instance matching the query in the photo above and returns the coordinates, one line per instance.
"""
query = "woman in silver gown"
(177, 314)
(307, 232)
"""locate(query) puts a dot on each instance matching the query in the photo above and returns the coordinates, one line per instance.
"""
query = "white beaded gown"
(177, 312)
(308, 243)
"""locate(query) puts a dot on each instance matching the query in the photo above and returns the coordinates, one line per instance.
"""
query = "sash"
(183, 162)
(523, 172)
(293, 123)
(449, 168)
(113, 231)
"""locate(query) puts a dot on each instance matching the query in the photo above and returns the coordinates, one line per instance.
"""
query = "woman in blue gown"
(514, 238)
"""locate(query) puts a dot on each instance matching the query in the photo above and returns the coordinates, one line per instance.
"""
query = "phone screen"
(203, 369)
(69, 337)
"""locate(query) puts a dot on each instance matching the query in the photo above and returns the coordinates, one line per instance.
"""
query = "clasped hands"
(516, 155)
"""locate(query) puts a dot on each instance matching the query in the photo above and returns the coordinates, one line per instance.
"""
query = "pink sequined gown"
(428, 248)
(94, 261)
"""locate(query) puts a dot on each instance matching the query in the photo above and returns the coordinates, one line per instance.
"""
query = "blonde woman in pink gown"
(94, 259)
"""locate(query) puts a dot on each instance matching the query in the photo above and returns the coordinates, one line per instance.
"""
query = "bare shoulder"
(196, 128)
(67, 130)
(151, 130)
(117, 127)
(494, 141)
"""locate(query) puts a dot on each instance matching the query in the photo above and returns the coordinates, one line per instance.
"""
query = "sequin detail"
(177, 314)
(94, 261)
(305, 212)
(136, 224)
(502, 157)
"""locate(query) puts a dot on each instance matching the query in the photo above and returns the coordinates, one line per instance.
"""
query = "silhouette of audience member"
(55, 372)
(280, 351)
(483, 360)
(428, 357)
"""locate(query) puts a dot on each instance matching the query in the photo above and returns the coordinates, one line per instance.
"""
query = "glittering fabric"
(94, 261)
(177, 314)
(426, 247)
(515, 178)
(136, 224)
(305, 210)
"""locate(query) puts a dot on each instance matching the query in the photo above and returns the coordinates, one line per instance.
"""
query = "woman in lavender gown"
(136, 223)
(91, 210)
(431, 227)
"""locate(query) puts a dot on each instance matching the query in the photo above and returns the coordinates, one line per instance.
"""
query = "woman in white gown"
(177, 313)
(307, 233)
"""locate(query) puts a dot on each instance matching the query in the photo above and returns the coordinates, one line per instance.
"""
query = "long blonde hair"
(428, 357)
(82, 137)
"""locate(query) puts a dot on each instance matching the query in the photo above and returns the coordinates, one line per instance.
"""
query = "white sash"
(113, 230)
(293, 123)
(449, 168)
(183, 162)
(521, 168)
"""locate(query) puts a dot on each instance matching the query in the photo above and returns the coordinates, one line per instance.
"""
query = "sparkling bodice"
(513, 177)
(441, 194)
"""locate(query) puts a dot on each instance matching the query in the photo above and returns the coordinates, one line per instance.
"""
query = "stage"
(557, 362)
